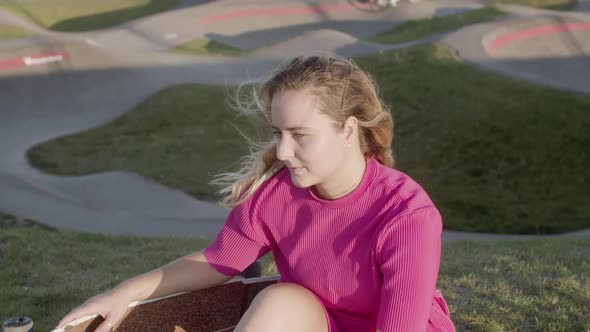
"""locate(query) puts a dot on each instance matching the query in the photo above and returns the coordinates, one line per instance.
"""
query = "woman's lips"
(296, 170)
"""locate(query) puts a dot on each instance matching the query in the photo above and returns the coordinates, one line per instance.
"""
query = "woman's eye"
(276, 133)
(297, 135)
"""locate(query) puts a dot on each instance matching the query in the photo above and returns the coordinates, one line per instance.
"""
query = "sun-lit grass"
(12, 32)
(539, 285)
(75, 15)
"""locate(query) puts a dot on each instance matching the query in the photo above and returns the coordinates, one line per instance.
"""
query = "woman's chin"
(300, 181)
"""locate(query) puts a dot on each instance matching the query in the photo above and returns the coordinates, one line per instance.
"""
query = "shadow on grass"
(550, 4)
(204, 46)
(9, 221)
(440, 23)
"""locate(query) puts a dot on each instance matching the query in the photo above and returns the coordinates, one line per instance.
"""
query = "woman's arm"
(187, 273)
(409, 257)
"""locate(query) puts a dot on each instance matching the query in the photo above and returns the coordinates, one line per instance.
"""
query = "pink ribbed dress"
(371, 258)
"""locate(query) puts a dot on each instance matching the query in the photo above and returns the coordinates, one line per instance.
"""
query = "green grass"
(417, 29)
(538, 285)
(12, 32)
(180, 137)
(495, 154)
(547, 4)
(206, 46)
(75, 15)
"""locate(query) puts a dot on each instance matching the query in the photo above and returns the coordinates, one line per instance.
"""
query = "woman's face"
(307, 141)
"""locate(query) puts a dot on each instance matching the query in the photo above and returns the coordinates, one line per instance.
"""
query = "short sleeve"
(239, 243)
(408, 256)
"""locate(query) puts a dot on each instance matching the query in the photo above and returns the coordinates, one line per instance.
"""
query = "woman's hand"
(111, 305)
(187, 273)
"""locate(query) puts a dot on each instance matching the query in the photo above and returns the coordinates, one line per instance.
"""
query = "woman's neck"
(345, 181)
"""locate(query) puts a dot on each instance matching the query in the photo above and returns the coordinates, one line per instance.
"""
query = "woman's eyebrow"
(291, 128)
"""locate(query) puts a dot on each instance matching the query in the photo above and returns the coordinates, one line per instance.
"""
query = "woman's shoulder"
(273, 184)
(405, 202)
(267, 189)
(280, 178)
(404, 193)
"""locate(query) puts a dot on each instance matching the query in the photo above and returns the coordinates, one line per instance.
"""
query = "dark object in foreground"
(214, 309)
(18, 324)
(253, 271)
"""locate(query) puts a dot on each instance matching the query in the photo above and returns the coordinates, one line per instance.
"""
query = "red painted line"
(274, 12)
(31, 60)
(512, 37)
(11, 63)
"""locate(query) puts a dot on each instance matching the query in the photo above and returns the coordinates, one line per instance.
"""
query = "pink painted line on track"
(512, 37)
(15, 63)
(284, 11)
(11, 63)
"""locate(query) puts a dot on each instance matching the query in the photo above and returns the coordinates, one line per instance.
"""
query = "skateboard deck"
(215, 309)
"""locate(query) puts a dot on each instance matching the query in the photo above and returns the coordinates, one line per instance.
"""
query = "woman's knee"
(284, 307)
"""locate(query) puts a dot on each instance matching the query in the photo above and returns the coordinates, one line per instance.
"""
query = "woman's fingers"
(77, 313)
(111, 319)
(105, 326)
(108, 305)
(73, 315)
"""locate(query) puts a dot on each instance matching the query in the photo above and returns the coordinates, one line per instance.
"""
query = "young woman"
(357, 243)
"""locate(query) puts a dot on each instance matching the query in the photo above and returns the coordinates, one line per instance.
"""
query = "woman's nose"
(284, 150)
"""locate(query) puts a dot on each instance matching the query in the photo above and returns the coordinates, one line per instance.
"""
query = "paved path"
(583, 6)
(56, 84)
(546, 47)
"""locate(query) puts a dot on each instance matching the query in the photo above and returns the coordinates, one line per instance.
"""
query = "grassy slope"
(490, 286)
(547, 4)
(180, 137)
(12, 32)
(75, 15)
(495, 154)
(208, 47)
(417, 29)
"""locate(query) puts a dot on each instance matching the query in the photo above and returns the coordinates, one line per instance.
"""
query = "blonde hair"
(344, 89)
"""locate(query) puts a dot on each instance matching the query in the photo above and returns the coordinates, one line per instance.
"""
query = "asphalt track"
(56, 84)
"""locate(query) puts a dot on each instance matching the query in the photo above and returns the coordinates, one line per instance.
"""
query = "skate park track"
(56, 84)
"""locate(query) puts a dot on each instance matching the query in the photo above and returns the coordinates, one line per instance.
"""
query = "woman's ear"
(350, 127)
